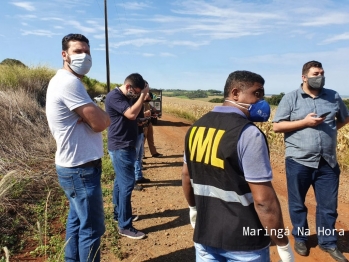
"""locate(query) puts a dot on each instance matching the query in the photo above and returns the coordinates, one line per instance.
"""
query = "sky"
(189, 44)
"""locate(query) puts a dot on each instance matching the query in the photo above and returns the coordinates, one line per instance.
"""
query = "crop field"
(206, 99)
(194, 109)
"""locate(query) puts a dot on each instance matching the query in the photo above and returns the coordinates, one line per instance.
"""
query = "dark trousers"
(325, 182)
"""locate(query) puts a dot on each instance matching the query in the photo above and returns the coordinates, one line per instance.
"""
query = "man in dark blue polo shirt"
(122, 138)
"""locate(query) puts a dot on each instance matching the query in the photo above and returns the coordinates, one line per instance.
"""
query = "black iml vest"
(226, 215)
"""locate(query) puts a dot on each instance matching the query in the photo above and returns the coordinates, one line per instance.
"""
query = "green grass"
(167, 93)
(181, 114)
(110, 240)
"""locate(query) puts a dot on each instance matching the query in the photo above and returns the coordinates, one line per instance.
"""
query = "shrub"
(217, 100)
(34, 80)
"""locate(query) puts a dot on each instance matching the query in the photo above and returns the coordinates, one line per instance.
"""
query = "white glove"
(286, 253)
(192, 215)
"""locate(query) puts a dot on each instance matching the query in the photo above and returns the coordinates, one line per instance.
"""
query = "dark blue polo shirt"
(122, 131)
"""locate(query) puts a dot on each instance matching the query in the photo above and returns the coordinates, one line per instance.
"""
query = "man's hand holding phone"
(325, 114)
(322, 115)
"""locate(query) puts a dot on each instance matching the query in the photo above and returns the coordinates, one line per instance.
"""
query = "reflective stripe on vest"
(227, 196)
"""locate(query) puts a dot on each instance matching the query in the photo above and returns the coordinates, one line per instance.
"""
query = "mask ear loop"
(240, 104)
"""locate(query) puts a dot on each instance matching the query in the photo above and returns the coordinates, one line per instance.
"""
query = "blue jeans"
(211, 254)
(139, 156)
(85, 223)
(325, 182)
(123, 162)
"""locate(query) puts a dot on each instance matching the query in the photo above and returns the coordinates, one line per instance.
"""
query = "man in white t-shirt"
(76, 124)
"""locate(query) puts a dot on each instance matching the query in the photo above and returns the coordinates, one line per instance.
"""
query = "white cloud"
(25, 17)
(165, 54)
(333, 18)
(52, 19)
(336, 38)
(134, 5)
(341, 55)
(148, 54)
(134, 31)
(26, 5)
(165, 19)
(83, 29)
(96, 25)
(72, 4)
(99, 36)
(218, 22)
(39, 33)
(232, 10)
(138, 42)
(188, 43)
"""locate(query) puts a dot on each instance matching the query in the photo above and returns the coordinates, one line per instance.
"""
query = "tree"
(197, 94)
(12, 62)
(274, 99)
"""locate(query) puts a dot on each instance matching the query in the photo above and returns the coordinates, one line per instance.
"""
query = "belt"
(93, 163)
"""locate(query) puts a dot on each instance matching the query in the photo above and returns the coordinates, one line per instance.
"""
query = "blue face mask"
(259, 112)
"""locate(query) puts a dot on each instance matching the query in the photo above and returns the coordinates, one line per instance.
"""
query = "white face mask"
(80, 63)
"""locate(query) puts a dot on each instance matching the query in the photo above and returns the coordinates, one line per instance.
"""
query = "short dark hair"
(136, 80)
(309, 65)
(241, 80)
(73, 37)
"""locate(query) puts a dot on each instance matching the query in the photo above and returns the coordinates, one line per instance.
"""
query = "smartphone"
(325, 114)
(143, 119)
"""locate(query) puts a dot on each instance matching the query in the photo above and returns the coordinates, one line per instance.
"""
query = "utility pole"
(106, 44)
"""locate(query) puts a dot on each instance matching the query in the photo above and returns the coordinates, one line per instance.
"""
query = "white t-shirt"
(76, 142)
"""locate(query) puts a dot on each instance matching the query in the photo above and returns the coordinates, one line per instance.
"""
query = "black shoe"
(335, 254)
(157, 155)
(301, 248)
(138, 187)
(131, 233)
(143, 180)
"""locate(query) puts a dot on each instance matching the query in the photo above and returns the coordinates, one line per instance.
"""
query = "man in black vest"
(226, 178)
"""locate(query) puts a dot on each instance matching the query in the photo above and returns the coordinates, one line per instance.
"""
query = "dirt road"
(164, 214)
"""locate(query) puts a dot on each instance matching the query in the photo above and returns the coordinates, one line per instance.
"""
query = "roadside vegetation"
(211, 95)
(27, 181)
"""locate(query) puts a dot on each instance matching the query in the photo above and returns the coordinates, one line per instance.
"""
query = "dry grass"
(26, 150)
(32, 80)
(25, 142)
(189, 109)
